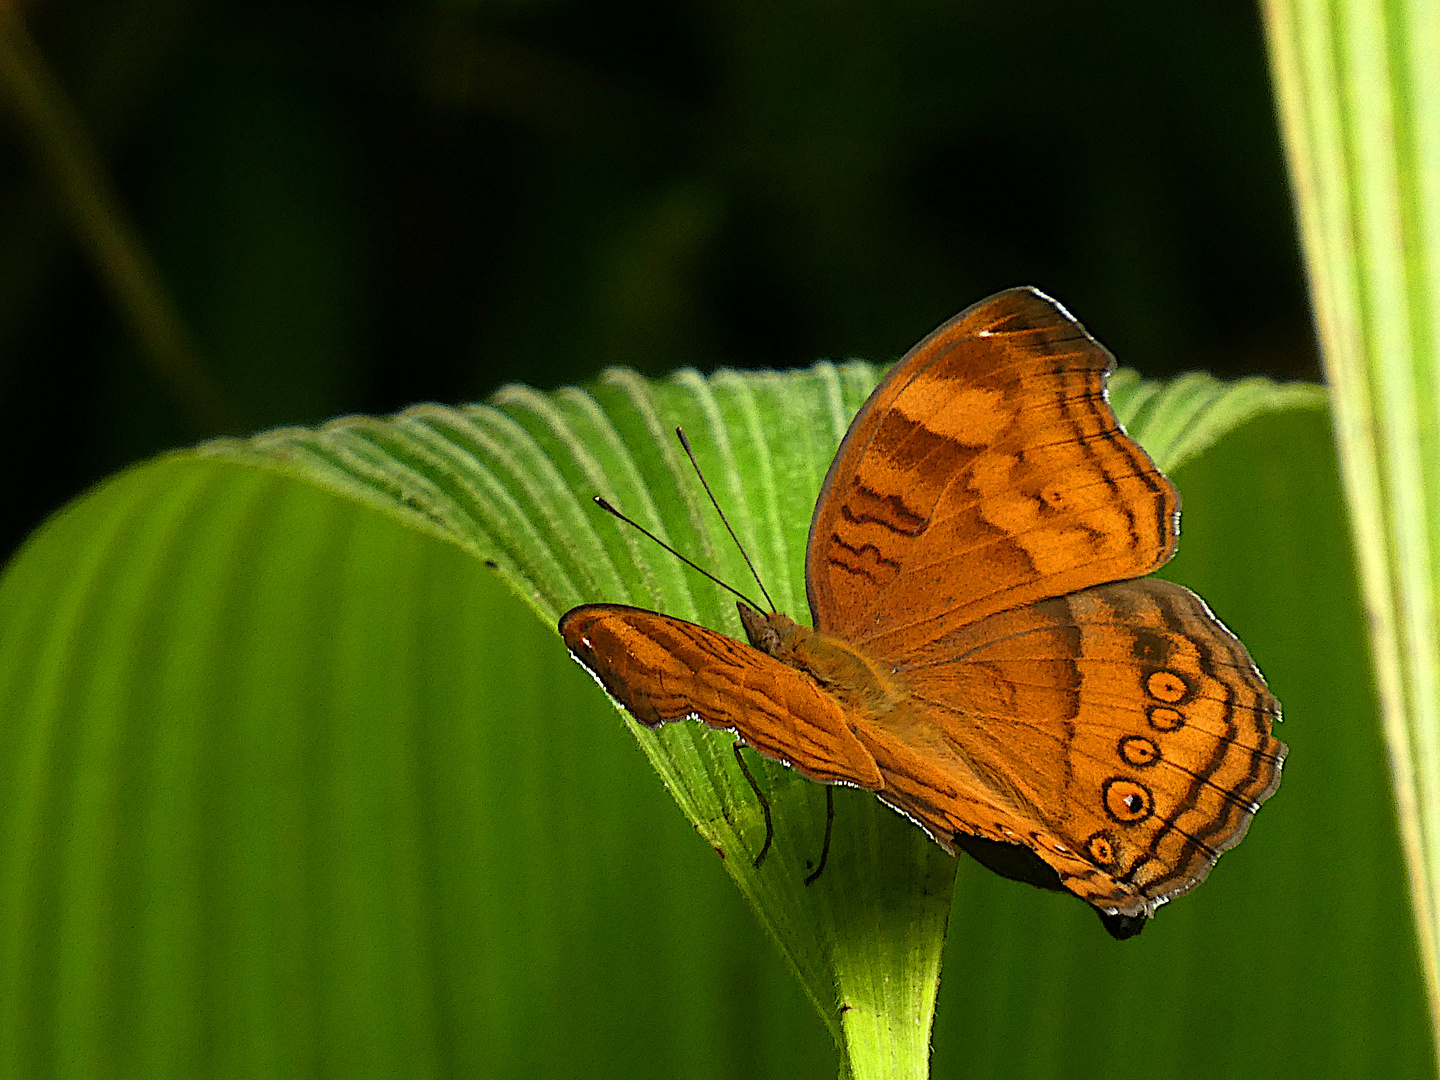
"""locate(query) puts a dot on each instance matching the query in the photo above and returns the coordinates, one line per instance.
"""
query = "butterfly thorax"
(857, 682)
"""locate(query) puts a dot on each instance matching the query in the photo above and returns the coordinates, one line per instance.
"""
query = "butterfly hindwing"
(1121, 732)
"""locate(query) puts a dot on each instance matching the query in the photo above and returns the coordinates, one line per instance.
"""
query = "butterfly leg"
(764, 803)
(829, 824)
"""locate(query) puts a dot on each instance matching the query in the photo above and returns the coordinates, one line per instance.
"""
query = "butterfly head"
(768, 633)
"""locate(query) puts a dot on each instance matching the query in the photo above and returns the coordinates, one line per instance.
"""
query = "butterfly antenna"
(693, 566)
(716, 503)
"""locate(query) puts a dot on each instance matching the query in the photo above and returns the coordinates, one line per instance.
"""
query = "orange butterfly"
(986, 657)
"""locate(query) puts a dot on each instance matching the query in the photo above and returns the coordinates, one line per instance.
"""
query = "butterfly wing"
(986, 471)
(1121, 733)
(664, 669)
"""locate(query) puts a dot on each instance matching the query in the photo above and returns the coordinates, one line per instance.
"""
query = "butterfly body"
(863, 689)
(986, 655)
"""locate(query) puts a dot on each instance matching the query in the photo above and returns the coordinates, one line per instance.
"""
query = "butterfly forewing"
(664, 669)
(987, 471)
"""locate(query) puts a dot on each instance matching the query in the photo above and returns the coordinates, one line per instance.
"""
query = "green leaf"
(510, 482)
(280, 767)
(1358, 90)
(289, 789)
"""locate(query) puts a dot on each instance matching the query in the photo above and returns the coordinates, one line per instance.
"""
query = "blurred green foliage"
(362, 205)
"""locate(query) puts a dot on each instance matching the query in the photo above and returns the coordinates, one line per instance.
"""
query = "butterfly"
(987, 655)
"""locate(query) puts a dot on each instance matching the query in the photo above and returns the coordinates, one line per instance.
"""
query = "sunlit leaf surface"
(289, 784)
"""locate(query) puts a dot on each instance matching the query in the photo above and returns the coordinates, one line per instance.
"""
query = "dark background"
(357, 207)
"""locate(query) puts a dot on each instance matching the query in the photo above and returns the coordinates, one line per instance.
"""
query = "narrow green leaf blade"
(1358, 94)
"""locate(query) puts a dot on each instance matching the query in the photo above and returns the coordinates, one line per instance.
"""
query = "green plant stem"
(63, 149)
